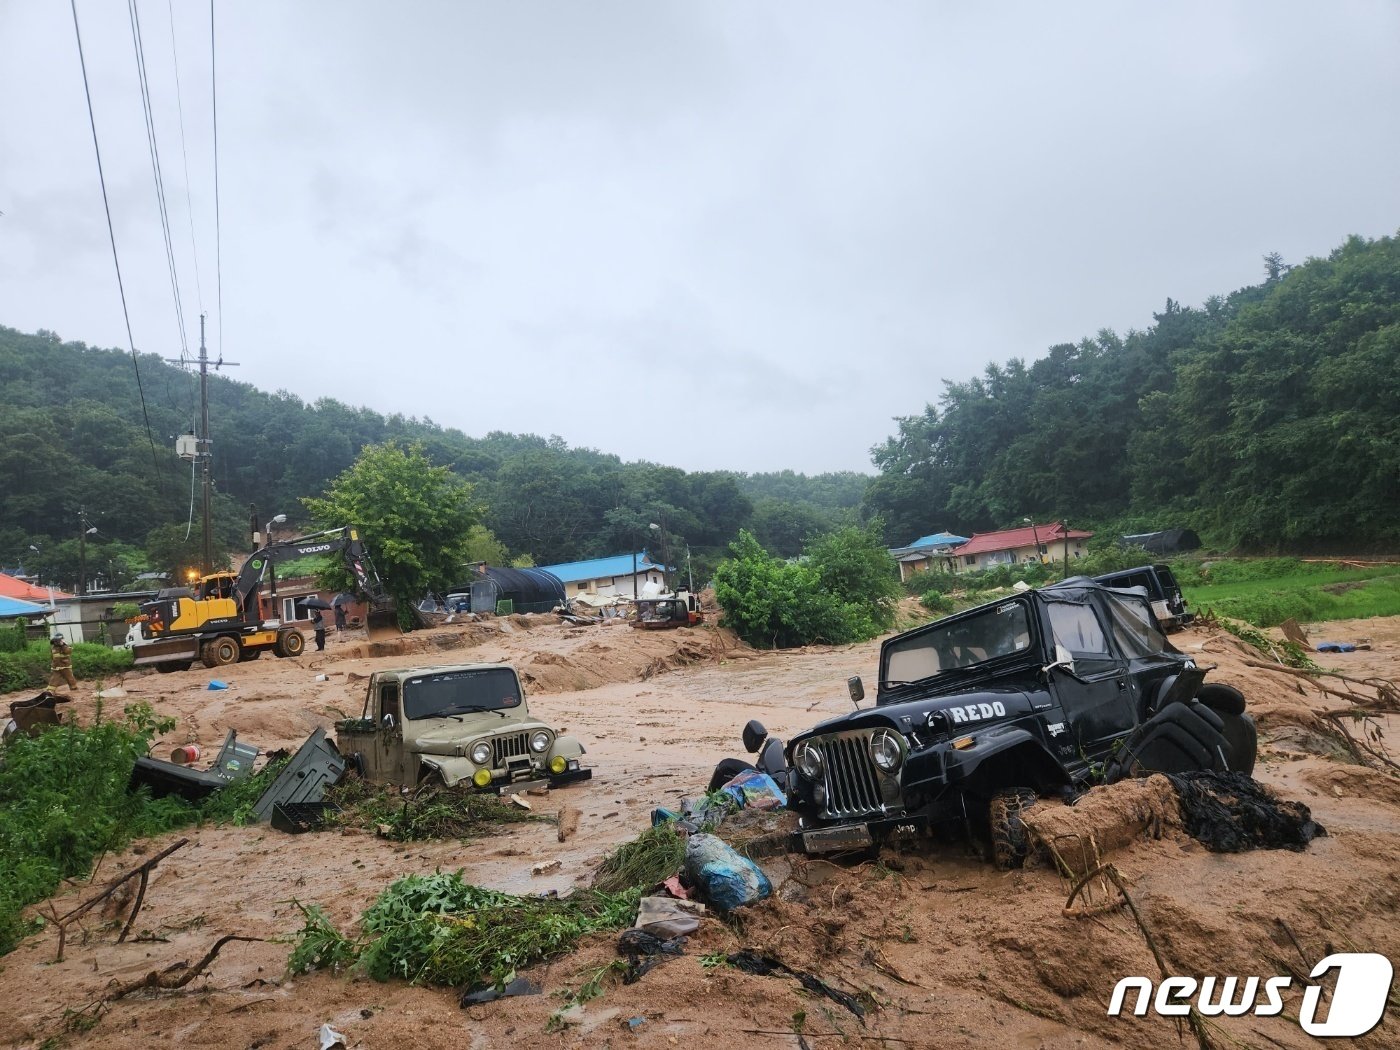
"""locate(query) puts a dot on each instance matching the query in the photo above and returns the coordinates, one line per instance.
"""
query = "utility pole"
(203, 449)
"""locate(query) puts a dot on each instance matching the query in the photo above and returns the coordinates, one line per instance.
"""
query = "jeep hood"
(977, 707)
(447, 736)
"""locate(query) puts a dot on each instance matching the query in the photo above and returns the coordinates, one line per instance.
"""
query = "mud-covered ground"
(952, 952)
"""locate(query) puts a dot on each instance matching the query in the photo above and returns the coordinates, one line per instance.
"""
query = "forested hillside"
(73, 440)
(1266, 419)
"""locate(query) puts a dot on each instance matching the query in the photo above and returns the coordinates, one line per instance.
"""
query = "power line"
(218, 232)
(134, 16)
(184, 154)
(112, 236)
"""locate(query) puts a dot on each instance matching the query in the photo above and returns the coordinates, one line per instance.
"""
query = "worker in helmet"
(61, 664)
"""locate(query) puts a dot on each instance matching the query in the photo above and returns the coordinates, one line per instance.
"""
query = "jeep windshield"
(958, 645)
(460, 692)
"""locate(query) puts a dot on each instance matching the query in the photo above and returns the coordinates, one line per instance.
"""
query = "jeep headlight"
(886, 751)
(539, 742)
(808, 759)
(558, 764)
(481, 753)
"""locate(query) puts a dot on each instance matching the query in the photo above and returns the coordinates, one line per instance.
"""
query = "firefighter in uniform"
(61, 663)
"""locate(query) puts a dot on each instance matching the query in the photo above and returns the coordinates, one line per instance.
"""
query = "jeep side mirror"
(754, 735)
(1062, 659)
(857, 689)
(387, 721)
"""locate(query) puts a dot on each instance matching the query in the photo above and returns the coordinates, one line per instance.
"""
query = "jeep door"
(384, 750)
(1097, 695)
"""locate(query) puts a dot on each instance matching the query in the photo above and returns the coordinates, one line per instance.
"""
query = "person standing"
(339, 617)
(318, 624)
(61, 664)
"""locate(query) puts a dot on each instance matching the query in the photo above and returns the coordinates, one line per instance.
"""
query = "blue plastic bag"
(723, 877)
(755, 790)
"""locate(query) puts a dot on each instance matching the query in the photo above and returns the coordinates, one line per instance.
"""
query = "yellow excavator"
(219, 621)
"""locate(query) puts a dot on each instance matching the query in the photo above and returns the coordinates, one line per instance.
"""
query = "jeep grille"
(851, 781)
(517, 745)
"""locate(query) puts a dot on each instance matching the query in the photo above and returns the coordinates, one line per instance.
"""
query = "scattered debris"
(490, 993)
(142, 870)
(36, 714)
(516, 800)
(167, 980)
(316, 766)
(668, 916)
(234, 761)
(569, 817)
(644, 951)
(331, 1039)
(544, 867)
(1231, 813)
(762, 965)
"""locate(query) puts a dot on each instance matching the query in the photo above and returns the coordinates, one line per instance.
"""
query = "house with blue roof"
(927, 552)
(621, 574)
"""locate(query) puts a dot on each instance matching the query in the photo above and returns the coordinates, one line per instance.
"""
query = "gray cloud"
(794, 217)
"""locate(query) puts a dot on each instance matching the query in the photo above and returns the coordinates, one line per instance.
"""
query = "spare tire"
(1221, 698)
(1243, 740)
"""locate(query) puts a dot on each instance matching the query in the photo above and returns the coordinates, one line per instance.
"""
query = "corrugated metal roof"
(1009, 539)
(601, 568)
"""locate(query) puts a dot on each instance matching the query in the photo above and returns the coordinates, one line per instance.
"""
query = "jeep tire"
(1011, 840)
(1224, 700)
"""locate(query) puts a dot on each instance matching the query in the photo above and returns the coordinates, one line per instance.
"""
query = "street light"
(1036, 534)
(82, 556)
(277, 519)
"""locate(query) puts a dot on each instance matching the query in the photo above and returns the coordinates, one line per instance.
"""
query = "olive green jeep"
(455, 723)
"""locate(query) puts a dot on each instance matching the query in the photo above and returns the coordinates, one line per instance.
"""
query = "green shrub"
(12, 636)
(63, 802)
(933, 582)
(99, 661)
(938, 604)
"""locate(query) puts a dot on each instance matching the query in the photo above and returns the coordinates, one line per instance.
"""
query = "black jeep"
(978, 714)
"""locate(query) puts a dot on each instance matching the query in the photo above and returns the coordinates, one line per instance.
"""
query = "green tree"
(854, 566)
(415, 518)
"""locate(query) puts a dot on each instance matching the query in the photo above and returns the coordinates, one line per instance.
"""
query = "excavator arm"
(343, 541)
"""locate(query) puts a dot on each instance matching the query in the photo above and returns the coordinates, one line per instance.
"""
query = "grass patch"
(1285, 588)
(27, 666)
(437, 929)
(458, 812)
(63, 803)
(654, 855)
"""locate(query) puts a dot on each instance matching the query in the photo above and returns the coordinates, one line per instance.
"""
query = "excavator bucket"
(382, 623)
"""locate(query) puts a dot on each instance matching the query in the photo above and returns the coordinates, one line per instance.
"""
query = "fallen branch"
(166, 981)
(143, 870)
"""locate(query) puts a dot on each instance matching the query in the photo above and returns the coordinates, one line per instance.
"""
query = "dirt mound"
(1355, 782)
(1107, 818)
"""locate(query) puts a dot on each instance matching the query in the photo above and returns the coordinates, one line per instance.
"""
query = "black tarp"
(528, 590)
(1168, 541)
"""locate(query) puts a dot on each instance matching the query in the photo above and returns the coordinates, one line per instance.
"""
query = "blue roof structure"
(16, 607)
(601, 568)
(938, 539)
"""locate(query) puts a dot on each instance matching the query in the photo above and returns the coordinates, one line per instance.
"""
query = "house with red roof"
(13, 587)
(1050, 542)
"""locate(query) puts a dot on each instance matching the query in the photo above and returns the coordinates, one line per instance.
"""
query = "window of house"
(970, 559)
(289, 610)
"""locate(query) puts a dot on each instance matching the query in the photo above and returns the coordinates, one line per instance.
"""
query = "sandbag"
(668, 917)
(722, 876)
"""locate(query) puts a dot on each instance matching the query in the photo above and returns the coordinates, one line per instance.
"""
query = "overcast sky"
(735, 235)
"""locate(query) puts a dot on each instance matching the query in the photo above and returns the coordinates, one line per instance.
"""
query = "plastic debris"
(754, 962)
(215, 683)
(518, 801)
(635, 1022)
(668, 917)
(490, 993)
(752, 789)
(1230, 813)
(721, 875)
(661, 815)
(331, 1039)
(644, 951)
(1335, 647)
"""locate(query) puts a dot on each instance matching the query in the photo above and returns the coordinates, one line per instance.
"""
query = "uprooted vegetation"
(438, 929)
(458, 812)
